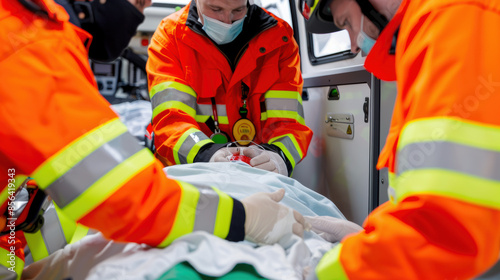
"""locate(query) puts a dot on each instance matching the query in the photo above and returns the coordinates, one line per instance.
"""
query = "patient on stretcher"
(200, 253)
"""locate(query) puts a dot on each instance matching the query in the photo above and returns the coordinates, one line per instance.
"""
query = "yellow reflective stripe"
(201, 118)
(448, 183)
(204, 118)
(329, 267)
(68, 226)
(223, 120)
(286, 115)
(171, 84)
(285, 150)
(186, 213)
(287, 153)
(453, 130)
(194, 151)
(311, 9)
(80, 232)
(176, 105)
(284, 94)
(108, 184)
(224, 214)
(4, 195)
(37, 245)
(11, 262)
(58, 164)
(263, 116)
(181, 141)
(390, 190)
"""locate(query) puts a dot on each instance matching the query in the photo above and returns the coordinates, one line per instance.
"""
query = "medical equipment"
(241, 158)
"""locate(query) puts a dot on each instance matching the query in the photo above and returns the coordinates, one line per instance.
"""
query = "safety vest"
(442, 151)
(59, 130)
(186, 70)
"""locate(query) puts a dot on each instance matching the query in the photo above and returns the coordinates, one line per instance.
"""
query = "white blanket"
(97, 258)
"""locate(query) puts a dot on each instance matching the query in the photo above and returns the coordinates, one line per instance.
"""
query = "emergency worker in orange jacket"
(58, 130)
(224, 71)
(443, 148)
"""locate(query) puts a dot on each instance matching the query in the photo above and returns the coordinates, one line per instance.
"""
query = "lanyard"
(244, 94)
(216, 118)
(219, 137)
(244, 129)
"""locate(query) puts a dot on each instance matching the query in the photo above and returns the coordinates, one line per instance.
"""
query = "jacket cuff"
(207, 151)
(276, 149)
(237, 226)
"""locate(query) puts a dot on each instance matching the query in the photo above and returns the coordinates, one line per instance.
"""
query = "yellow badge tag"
(244, 132)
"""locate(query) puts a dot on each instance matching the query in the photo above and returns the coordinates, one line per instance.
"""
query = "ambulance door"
(349, 112)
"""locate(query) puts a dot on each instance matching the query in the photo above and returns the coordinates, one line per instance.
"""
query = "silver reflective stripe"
(450, 156)
(172, 94)
(206, 209)
(285, 104)
(206, 110)
(52, 232)
(189, 143)
(97, 164)
(290, 147)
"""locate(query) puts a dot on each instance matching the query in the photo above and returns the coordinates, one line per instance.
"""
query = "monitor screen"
(104, 69)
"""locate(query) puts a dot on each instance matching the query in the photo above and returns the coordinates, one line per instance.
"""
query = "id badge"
(244, 132)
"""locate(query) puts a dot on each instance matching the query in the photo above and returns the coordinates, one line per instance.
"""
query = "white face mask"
(364, 41)
(220, 32)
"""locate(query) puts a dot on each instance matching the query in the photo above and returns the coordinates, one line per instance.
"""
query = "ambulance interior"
(347, 108)
(349, 111)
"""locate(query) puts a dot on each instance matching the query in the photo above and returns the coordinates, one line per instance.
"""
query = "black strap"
(373, 15)
(392, 50)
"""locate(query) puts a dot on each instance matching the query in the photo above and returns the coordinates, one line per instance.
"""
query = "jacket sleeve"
(178, 137)
(442, 221)
(61, 132)
(285, 127)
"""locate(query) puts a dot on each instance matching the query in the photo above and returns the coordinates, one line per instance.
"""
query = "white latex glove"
(267, 221)
(332, 229)
(266, 160)
(224, 153)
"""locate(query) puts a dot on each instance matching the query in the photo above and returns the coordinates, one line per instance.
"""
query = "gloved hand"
(224, 153)
(266, 160)
(332, 229)
(267, 221)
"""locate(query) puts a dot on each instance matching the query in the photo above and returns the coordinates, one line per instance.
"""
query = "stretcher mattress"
(97, 258)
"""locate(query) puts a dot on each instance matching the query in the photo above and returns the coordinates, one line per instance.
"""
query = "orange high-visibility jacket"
(186, 69)
(442, 152)
(58, 129)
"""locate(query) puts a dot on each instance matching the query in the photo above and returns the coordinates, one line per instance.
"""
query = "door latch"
(365, 108)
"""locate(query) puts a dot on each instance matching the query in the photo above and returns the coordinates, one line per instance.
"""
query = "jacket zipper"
(227, 58)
